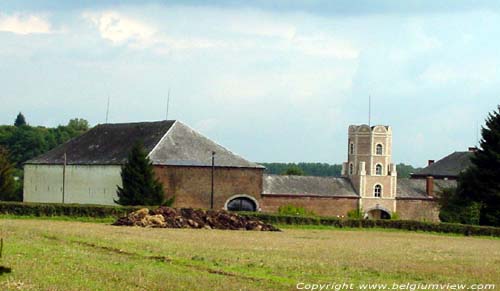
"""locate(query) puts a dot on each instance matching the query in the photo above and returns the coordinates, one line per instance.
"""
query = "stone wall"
(320, 205)
(418, 209)
(191, 186)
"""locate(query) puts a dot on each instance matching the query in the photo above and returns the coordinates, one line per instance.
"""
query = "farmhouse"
(448, 167)
(87, 170)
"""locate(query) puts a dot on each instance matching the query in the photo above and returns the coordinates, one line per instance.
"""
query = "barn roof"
(308, 186)
(416, 188)
(449, 166)
(167, 143)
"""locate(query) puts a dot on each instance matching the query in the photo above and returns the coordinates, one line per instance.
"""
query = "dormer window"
(380, 149)
(377, 191)
(378, 170)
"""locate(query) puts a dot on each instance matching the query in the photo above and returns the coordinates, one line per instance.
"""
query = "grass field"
(66, 255)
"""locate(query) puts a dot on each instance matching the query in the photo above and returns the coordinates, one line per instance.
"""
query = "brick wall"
(191, 186)
(427, 210)
(324, 206)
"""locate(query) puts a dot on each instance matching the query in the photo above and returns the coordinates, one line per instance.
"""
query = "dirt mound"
(166, 217)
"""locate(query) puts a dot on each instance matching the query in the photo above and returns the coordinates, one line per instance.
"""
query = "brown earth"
(166, 217)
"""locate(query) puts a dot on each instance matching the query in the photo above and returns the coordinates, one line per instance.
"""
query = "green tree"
(20, 120)
(7, 182)
(481, 182)
(140, 187)
(294, 171)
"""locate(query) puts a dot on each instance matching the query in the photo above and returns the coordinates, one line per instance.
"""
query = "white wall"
(84, 184)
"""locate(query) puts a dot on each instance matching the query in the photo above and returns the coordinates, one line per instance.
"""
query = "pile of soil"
(166, 217)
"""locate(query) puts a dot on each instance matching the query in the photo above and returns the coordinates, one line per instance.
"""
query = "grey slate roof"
(449, 166)
(308, 185)
(184, 146)
(416, 188)
(167, 142)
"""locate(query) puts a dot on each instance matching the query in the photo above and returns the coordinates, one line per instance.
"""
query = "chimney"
(472, 149)
(429, 187)
(430, 162)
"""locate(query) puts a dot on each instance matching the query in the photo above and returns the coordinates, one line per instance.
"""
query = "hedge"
(56, 209)
(412, 225)
(100, 211)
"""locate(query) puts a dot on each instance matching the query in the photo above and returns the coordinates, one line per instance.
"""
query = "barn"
(87, 169)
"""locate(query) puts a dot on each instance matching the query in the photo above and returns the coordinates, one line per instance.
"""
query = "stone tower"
(369, 167)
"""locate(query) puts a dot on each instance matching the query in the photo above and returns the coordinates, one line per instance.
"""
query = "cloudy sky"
(271, 80)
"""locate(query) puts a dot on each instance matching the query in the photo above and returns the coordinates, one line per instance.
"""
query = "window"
(380, 150)
(351, 169)
(351, 149)
(378, 191)
(378, 170)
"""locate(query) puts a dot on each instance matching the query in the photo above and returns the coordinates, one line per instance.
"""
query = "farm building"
(182, 159)
(87, 170)
(448, 168)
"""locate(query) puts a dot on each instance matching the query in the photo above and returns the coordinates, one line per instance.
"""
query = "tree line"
(21, 142)
(323, 169)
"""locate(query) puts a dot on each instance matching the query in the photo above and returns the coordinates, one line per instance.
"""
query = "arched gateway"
(241, 202)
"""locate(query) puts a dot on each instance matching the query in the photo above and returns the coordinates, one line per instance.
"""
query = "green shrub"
(355, 214)
(395, 216)
(294, 210)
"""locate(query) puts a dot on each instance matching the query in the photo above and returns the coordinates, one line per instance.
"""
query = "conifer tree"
(139, 185)
(20, 120)
(481, 182)
(7, 182)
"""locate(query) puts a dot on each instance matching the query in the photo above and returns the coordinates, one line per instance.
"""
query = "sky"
(274, 81)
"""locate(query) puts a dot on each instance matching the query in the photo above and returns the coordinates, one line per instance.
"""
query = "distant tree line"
(323, 169)
(21, 142)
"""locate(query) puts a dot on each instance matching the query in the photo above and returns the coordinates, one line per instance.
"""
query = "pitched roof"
(416, 188)
(184, 146)
(308, 185)
(167, 142)
(449, 166)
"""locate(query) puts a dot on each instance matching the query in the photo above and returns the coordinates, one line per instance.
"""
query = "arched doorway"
(242, 203)
(378, 213)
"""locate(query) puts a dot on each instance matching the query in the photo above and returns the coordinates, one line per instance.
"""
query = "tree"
(481, 182)
(7, 182)
(140, 187)
(20, 120)
(294, 171)
(78, 124)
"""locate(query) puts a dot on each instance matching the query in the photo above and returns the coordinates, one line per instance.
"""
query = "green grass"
(47, 254)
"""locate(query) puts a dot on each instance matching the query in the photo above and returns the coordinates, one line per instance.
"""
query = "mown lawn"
(68, 255)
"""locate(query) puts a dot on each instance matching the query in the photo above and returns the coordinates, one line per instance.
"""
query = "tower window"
(377, 192)
(351, 169)
(378, 170)
(351, 149)
(380, 149)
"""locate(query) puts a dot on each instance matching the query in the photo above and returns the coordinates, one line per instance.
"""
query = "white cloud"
(120, 29)
(325, 46)
(24, 24)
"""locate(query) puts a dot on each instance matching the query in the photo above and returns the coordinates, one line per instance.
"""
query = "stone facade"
(191, 186)
(369, 167)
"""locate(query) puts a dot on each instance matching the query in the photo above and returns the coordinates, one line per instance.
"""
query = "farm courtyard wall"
(191, 186)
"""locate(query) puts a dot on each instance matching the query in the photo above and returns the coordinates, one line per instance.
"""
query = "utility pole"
(369, 110)
(107, 111)
(168, 103)
(212, 189)
(64, 178)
